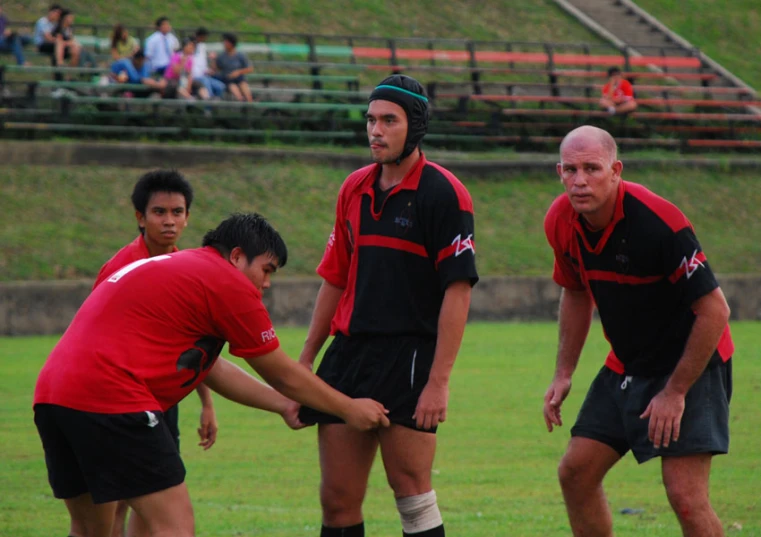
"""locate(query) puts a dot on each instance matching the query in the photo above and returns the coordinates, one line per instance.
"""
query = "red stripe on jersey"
(614, 364)
(458, 246)
(393, 243)
(463, 197)
(608, 276)
(666, 211)
(688, 267)
(726, 346)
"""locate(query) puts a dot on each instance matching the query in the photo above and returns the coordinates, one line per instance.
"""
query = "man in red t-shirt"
(617, 94)
(162, 200)
(141, 342)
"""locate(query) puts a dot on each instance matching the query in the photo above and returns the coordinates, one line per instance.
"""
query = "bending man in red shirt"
(140, 343)
(617, 94)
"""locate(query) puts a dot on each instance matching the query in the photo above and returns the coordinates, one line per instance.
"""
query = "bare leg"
(626, 107)
(89, 519)
(235, 90)
(136, 526)
(581, 472)
(167, 513)
(119, 517)
(686, 482)
(246, 91)
(408, 458)
(346, 457)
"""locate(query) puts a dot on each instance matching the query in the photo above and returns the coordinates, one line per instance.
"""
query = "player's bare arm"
(232, 382)
(574, 320)
(207, 430)
(432, 405)
(319, 328)
(295, 382)
(666, 408)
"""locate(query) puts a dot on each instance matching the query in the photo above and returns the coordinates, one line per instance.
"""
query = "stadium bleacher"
(314, 88)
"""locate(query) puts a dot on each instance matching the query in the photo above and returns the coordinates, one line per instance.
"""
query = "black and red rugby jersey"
(396, 264)
(644, 270)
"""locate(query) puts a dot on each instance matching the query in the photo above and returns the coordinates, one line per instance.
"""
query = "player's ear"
(618, 167)
(140, 217)
(238, 258)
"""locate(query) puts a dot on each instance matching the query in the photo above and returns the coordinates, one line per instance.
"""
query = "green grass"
(726, 31)
(522, 20)
(66, 222)
(495, 466)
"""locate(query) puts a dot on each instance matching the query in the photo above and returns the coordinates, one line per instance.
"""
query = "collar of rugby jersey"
(618, 215)
(411, 181)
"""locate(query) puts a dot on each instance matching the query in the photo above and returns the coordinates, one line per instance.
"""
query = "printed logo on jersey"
(463, 245)
(268, 335)
(200, 357)
(332, 238)
(692, 265)
(404, 222)
(116, 276)
(152, 419)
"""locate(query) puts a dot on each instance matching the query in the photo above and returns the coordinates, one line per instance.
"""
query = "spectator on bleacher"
(66, 46)
(11, 41)
(123, 45)
(232, 68)
(617, 94)
(43, 31)
(179, 74)
(201, 71)
(160, 45)
(135, 70)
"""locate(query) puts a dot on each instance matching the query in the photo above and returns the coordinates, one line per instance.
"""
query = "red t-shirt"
(622, 92)
(135, 250)
(151, 332)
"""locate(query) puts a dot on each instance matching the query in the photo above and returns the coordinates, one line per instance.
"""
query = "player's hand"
(366, 414)
(431, 407)
(208, 429)
(665, 412)
(291, 416)
(553, 400)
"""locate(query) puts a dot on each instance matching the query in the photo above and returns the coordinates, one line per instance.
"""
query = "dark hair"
(140, 55)
(160, 181)
(202, 31)
(231, 38)
(613, 71)
(116, 36)
(161, 20)
(252, 233)
(55, 7)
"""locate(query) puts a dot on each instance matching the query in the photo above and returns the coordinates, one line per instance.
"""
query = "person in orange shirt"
(617, 94)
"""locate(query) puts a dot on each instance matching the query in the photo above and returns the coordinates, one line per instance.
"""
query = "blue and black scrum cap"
(410, 95)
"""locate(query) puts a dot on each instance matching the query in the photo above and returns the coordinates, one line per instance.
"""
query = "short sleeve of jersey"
(626, 88)
(686, 265)
(334, 267)
(564, 273)
(243, 321)
(452, 228)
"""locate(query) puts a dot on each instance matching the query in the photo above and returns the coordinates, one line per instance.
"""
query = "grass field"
(66, 222)
(494, 473)
(723, 30)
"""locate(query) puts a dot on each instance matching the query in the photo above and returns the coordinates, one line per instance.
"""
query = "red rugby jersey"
(151, 332)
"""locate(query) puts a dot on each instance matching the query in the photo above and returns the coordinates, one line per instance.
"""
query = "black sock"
(351, 531)
(438, 531)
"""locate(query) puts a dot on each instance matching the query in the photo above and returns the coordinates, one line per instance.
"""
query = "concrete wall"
(32, 308)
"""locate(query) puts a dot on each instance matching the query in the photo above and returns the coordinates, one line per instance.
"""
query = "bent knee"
(337, 499)
(686, 501)
(573, 472)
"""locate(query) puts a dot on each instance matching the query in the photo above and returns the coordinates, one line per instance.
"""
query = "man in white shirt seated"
(43, 30)
(200, 70)
(160, 46)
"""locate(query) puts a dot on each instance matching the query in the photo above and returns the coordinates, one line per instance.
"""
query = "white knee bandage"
(419, 513)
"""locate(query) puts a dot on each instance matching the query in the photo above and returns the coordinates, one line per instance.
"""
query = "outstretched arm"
(574, 320)
(232, 382)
